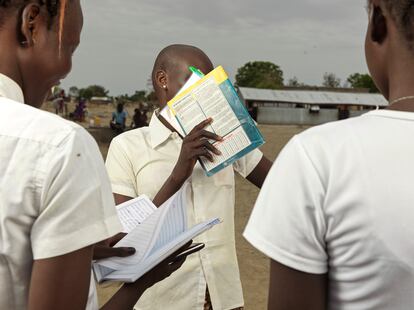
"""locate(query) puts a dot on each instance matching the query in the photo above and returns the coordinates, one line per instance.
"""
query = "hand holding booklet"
(157, 234)
(213, 96)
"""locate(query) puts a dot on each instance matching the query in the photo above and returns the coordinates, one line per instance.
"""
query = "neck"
(8, 62)
(401, 82)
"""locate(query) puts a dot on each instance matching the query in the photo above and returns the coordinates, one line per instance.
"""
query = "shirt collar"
(159, 133)
(10, 89)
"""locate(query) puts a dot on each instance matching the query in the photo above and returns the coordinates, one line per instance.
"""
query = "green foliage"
(139, 96)
(358, 80)
(93, 91)
(331, 80)
(260, 74)
(74, 92)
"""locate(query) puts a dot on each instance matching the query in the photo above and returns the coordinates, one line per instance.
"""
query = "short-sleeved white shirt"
(340, 199)
(55, 196)
(139, 162)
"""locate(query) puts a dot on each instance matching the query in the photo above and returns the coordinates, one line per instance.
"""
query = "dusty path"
(254, 267)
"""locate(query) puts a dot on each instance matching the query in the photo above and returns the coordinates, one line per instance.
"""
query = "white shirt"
(340, 199)
(55, 196)
(139, 162)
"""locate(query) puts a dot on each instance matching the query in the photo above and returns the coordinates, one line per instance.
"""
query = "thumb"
(101, 252)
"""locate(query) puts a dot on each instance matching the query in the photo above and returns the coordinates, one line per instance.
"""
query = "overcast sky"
(306, 38)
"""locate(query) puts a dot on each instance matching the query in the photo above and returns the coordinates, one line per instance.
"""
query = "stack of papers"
(154, 233)
(214, 96)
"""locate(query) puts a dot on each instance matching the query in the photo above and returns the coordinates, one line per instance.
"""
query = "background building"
(307, 107)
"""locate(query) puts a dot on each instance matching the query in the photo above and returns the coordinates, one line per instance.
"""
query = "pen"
(196, 71)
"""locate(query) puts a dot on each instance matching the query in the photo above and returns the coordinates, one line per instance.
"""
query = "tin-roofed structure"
(307, 107)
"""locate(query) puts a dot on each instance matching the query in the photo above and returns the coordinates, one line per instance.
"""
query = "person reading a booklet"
(56, 199)
(157, 161)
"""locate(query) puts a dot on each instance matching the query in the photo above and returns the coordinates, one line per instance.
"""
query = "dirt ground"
(254, 267)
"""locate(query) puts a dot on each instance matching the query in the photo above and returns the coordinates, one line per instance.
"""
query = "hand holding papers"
(213, 96)
(156, 238)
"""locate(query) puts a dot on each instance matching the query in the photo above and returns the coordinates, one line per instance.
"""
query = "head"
(171, 69)
(389, 43)
(38, 39)
(120, 107)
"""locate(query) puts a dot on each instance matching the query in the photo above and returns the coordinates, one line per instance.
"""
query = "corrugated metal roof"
(312, 97)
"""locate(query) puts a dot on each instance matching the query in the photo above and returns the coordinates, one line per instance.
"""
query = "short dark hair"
(402, 11)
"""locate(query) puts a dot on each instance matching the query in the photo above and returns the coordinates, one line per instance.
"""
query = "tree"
(358, 80)
(93, 91)
(293, 82)
(74, 92)
(260, 74)
(139, 96)
(331, 80)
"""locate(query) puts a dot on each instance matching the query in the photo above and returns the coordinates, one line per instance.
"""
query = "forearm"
(126, 297)
(259, 174)
(170, 187)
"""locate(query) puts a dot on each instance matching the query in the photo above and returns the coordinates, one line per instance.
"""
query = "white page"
(170, 118)
(166, 112)
(134, 212)
(175, 221)
(141, 238)
(214, 105)
(132, 273)
(145, 235)
(229, 147)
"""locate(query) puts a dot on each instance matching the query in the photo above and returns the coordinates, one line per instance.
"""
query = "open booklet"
(158, 236)
(213, 96)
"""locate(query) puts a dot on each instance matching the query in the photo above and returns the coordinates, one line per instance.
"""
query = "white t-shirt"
(340, 198)
(55, 196)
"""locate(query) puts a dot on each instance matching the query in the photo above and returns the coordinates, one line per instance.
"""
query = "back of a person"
(367, 169)
(29, 140)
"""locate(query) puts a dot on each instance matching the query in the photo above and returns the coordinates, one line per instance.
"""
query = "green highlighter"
(196, 71)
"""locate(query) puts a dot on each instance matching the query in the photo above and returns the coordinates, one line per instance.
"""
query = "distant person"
(119, 117)
(55, 196)
(65, 109)
(148, 159)
(80, 111)
(139, 119)
(58, 102)
(336, 212)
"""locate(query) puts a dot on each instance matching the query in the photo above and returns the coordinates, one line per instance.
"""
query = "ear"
(379, 28)
(161, 79)
(31, 23)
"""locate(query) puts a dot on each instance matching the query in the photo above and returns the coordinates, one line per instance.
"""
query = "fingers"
(115, 239)
(201, 126)
(208, 145)
(101, 252)
(205, 134)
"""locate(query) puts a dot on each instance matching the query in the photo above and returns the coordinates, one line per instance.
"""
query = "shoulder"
(132, 140)
(333, 135)
(39, 126)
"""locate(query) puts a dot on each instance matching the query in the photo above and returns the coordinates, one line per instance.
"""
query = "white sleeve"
(76, 204)
(287, 223)
(120, 170)
(245, 165)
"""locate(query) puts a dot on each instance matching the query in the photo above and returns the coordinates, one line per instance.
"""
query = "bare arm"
(195, 145)
(259, 174)
(294, 290)
(129, 294)
(61, 282)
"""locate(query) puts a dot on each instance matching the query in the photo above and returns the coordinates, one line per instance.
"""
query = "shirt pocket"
(223, 178)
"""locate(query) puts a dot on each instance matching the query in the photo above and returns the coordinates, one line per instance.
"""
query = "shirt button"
(174, 135)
